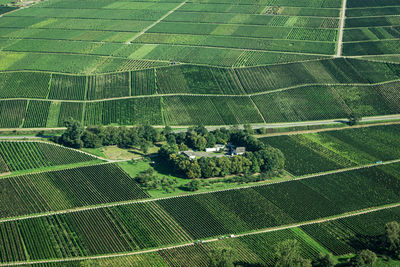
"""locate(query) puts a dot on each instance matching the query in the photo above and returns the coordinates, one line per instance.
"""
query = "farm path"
(114, 204)
(341, 29)
(155, 23)
(266, 230)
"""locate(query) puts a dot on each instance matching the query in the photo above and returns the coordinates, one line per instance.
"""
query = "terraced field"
(325, 151)
(198, 62)
(133, 226)
(64, 189)
(256, 248)
(114, 35)
(372, 28)
(18, 156)
(190, 95)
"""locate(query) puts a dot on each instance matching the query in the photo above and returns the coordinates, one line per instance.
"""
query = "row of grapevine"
(72, 87)
(352, 234)
(70, 110)
(295, 104)
(192, 110)
(124, 112)
(166, 222)
(108, 86)
(24, 84)
(196, 79)
(67, 87)
(143, 82)
(268, 206)
(341, 236)
(92, 232)
(37, 114)
(64, 189)
(12, 113)
(325, 151)
(333, 71)
(252, 250)
(371, 31)
(29, 155)
(289, 20)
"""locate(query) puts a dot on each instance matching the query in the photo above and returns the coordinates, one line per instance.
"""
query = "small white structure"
(217, 148)
(189, 154)
(240, 150)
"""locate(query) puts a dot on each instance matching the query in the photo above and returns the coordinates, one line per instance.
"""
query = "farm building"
(189, 154)
(217, 148)
(240, 150)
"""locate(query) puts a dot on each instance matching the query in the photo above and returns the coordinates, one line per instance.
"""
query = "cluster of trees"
(392, 239)
(288, 254)
(77, 136)
(149, 180)
(258, 158)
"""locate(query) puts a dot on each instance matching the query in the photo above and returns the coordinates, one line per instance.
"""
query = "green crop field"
(19, 156)
(256, 249)
(64, 189)
(300, 73)
(319, 152)
(133, 226)
(312, 90)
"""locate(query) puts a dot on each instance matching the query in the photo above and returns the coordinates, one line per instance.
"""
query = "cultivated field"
(190, 95)
(272, 63)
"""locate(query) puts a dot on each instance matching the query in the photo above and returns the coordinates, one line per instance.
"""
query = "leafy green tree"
(111, 136)
(221, 257)
(193, 185)
(193, 170)
(211, 140)
(201, 130)
(72, 136)
(224, 165)
(366, 258)
(125, 138)
(91, 140)
(248, 129)
(171, 140)
(147, 179)
(287, 254)
(354, 118)
(144, 146)
(200, 143)
(150, 133)
(324, 260)
(272, 159)
(392, 237)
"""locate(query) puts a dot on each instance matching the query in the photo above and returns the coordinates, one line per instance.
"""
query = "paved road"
(255, 126)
